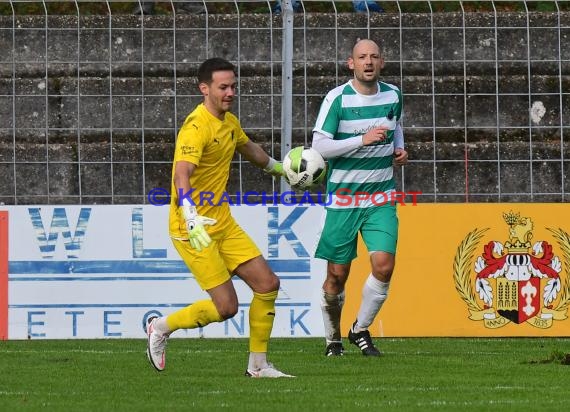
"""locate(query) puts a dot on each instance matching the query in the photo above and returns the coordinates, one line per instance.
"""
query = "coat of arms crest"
(515, 281)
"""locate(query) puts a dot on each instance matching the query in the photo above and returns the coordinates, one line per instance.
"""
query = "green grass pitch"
(415, 374)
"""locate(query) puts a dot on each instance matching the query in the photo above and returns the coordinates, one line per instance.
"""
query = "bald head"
(366, 62)
(365, 46)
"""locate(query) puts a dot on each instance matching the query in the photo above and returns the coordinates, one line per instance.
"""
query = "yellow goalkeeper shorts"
(216, 263)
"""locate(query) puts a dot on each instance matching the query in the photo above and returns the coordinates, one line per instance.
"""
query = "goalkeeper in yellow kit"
(205, 234)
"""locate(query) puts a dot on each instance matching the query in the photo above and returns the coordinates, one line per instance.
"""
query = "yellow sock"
(261, 317)
(198, 314)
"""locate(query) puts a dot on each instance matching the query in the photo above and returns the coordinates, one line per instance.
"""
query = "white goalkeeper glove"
(195, 223)
(274, 168)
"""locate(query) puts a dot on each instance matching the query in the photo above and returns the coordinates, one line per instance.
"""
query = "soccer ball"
(304, 168)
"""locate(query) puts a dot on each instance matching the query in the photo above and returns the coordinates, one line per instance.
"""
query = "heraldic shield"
(518, 301)
(516, 281)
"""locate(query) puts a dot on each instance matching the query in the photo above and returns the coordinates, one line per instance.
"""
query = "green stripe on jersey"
(330, 123)
(361, 163)
(367, 112)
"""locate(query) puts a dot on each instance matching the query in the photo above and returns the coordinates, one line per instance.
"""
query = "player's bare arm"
(182, 172)
(254, 154)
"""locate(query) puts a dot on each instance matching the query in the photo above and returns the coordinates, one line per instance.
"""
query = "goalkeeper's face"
(220, 92)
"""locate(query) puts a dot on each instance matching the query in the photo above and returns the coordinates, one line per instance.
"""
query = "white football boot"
(267, 372)
(156, 345)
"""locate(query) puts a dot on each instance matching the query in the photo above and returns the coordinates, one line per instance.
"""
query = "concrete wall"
(102, 128)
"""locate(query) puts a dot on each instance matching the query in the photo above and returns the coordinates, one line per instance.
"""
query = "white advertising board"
(100, 271)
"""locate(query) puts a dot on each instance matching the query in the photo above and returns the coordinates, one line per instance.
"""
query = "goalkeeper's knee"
(227, 311)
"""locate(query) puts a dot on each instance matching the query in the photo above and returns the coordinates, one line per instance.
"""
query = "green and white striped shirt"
(344, 114)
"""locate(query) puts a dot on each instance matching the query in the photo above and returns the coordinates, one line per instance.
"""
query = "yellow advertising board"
(474, 270)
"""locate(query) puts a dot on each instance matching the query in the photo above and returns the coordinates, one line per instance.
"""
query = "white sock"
(331, 306)
(374, 293)
(257, 361)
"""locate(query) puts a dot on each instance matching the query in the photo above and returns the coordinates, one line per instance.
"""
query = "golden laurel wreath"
(563, 239)
(464, 286)
(462, 273)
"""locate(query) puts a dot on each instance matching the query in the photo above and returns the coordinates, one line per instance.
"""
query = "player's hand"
(400, 157)
(195, 223)
(375, 136)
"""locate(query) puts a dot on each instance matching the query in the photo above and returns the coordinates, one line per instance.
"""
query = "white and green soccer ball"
(304, 168)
